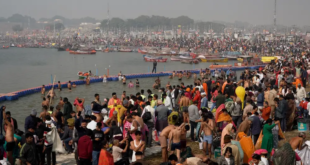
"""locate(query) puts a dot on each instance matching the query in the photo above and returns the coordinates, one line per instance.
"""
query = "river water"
(23, 68)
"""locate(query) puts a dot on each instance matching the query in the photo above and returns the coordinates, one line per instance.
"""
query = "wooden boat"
(106, 50)
(219, 66)
(82, 52)
(151, 57)
(175, 58)
(157, 60)
(189, 61)
(5, 47)
(268, 59)
(83, 75)
(142, 51)
(215, 60)
(125, 50)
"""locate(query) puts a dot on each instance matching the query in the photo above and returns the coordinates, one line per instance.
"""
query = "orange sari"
(105, 158)
(246, 145)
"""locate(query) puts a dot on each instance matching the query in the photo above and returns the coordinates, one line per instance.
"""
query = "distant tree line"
(160, 23)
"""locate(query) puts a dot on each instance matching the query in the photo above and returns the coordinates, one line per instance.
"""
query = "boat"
(151, 57)
(82, 52)
(175, 58)
(268, 59)
(157, 60)
(230, 57)
(98, 48)
(12, 45)
(142, 51)
(189, 61)
(219, 66)
(215, 60)
(125, 50)
(106, 50)
(5, 47)
(83, 75)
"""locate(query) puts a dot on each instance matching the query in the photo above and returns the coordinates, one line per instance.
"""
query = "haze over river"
(23, 68)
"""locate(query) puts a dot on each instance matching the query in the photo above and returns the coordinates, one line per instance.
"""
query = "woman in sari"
(226, 131)
(246, 145)
(105, 157)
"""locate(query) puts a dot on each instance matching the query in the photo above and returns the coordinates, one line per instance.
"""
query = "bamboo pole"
(53, 91)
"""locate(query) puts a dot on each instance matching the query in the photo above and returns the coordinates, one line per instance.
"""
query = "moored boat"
(268, 59)
(82, 52)
(157, 60)
(215, 60)
(5, 47)
(175, 58)
(125, 50)
(189, 61)
(142, 51)
(151, 57)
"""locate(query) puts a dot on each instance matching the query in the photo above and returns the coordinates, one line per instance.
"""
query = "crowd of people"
(246, 120)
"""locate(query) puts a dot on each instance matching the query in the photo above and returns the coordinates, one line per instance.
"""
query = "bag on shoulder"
(146, 116)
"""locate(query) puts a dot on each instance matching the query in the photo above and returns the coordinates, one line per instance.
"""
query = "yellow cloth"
(246, 145)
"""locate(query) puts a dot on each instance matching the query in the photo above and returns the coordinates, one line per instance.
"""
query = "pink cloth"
(126, 125)
(260, 151)
(130, 85)
(76, 103)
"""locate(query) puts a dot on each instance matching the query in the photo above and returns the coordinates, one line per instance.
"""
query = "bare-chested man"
(175, 139)
(61, 102)
(9, 138)
(51, 93)
(45, 102)
(163, 137)
(184, 101)
(44, 113)
(297, 142)
(173, 74)
(43, 90)
(180, 75)
(69, 85)
(207, 126)
(59, 86)
(87, 80)
(139, 119)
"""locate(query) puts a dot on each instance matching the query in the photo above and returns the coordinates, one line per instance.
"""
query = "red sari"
(105, 158)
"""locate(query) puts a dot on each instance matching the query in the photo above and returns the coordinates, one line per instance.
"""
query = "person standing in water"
(43, 90)
(154, 66)
(59, 86)
(69, 85)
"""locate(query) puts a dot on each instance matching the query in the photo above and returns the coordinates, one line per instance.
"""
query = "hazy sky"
(289, 12)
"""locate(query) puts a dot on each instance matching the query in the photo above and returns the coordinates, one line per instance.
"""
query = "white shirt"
(168, 103)
(149, 109)
(301, 93)
(264, 160)
(227, 160)
(92, 125)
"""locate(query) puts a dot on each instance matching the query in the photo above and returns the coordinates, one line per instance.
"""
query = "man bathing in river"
(69, 85)
(43, 90)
